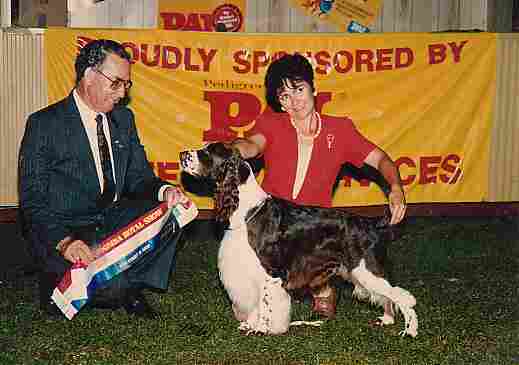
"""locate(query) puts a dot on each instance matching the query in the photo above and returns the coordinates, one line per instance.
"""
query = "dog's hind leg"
(374, 287)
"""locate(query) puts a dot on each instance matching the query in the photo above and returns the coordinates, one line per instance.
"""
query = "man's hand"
(397, 204)
(173, 195)
(77, 251)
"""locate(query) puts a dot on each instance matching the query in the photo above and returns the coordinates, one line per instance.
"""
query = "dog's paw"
(386, 319)
(240, 316)
(382, 321)
(408, 332)
(246, 329)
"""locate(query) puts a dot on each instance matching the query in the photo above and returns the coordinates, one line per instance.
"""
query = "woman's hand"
(381, 161)
(397, 204)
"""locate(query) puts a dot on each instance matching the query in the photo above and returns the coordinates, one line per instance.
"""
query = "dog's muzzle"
(189, 162)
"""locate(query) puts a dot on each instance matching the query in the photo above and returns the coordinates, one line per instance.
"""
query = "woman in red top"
(304, 150)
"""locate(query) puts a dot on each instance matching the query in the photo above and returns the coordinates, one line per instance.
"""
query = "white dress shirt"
(88, 117)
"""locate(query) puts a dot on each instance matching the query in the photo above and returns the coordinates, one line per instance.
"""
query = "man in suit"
(83, 174)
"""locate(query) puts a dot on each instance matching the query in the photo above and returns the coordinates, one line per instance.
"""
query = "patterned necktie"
(109, 185)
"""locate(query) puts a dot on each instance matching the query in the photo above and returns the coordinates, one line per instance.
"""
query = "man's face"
(100, 93)
(297, 99)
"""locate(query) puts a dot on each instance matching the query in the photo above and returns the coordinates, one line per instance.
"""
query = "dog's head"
(215, 170)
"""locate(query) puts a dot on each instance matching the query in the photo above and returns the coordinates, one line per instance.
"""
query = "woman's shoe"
(326, 306)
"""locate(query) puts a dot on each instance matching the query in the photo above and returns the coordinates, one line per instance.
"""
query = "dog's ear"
(228, 178)
(244, 169)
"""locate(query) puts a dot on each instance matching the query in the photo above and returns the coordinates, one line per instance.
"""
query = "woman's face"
(297, 99)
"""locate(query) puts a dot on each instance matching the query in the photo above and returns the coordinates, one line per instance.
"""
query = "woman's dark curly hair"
(94, 54)
(290, 67)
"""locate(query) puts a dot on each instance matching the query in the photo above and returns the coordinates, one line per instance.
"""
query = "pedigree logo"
(224, 18)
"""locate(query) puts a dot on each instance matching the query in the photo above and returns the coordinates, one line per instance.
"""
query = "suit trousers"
(153, 270)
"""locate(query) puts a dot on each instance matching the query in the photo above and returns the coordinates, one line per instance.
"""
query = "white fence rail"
(23, 91)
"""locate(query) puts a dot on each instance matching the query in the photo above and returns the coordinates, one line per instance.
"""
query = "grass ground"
(463, 272)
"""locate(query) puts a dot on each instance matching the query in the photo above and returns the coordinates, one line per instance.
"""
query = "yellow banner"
(427, 99)
(353, 16)
(206, 15)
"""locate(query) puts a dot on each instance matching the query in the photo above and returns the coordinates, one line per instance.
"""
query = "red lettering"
(164, 168)
(437, 53)
(322, 59)
(171, 57)
(456, 50)
(343, 61)
(362, 182)
(207, 58)
(454, 169)
(364, 57)
(402, 53)
(384, 59)
(187, 61)
(259, 59)
(156, 55)
(192, 23)
(240, 58)
(249, 108)
(207, 19)
(429, 166)
(173, 21)
(337, 61)
(168, 51)
(409, 162)
(428, 169)
(133, 50)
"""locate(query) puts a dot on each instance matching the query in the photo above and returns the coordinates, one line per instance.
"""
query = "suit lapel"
(77, 135)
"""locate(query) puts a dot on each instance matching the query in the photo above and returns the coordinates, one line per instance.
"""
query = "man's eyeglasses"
(117, 83)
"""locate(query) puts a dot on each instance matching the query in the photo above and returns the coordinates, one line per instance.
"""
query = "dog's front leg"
(240, 316)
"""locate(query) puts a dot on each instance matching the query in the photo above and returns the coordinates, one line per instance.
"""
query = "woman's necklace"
(301, 133)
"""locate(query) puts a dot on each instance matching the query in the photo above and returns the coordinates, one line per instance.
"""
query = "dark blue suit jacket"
(58, 183)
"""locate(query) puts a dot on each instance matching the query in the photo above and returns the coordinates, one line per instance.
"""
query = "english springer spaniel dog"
(272, 247)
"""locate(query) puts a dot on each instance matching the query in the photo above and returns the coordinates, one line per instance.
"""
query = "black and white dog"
(272, 247)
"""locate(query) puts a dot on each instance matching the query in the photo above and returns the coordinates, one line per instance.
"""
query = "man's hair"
(291, 68)
(94, 54)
